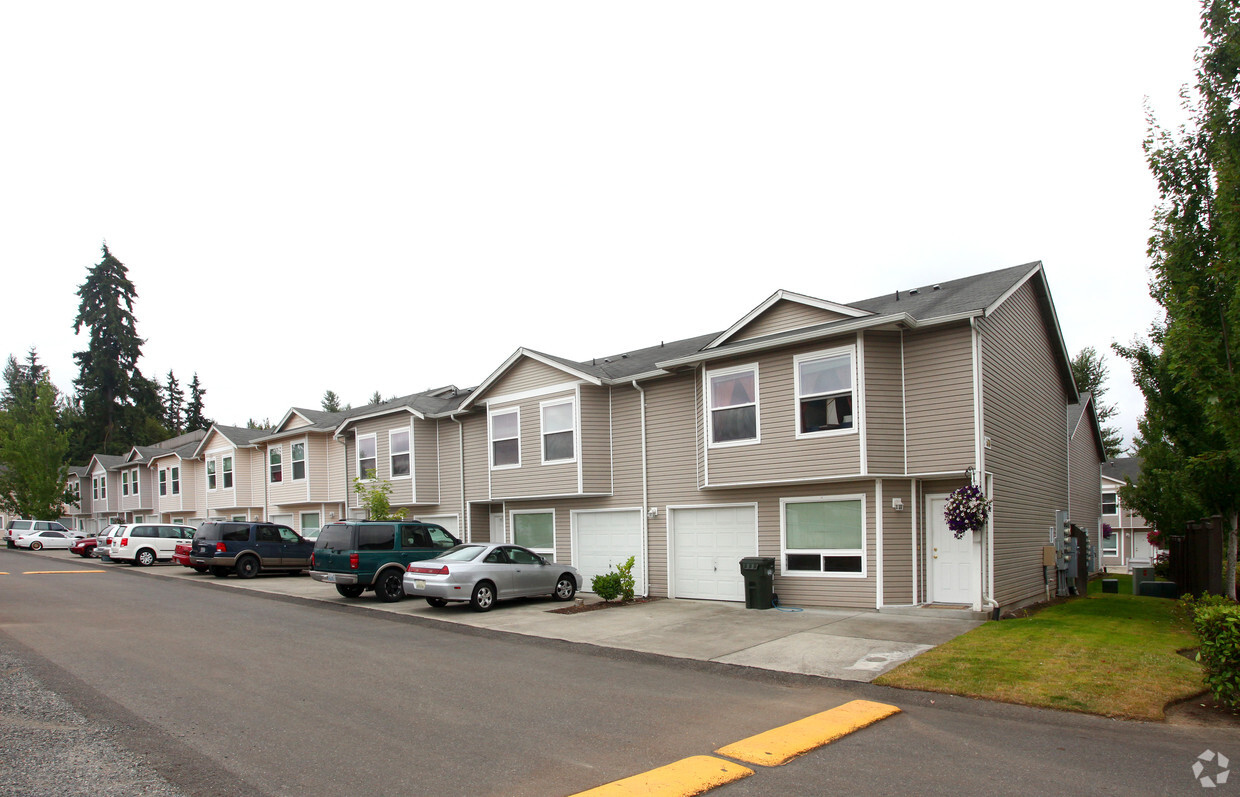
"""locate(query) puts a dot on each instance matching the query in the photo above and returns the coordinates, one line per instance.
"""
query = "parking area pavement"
(849, 644)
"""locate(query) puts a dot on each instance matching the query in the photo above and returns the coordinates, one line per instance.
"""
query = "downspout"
(645, 491)
(987, 481)
(460, 428)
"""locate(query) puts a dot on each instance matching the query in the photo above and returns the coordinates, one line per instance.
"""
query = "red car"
(181, 556)
(84, 547)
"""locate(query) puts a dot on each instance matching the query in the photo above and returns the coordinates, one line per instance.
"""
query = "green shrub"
(625, 572)
(606, 586)
(1218, 632)
(1188, 606)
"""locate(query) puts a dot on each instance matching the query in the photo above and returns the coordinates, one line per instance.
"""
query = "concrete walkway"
(848, 644)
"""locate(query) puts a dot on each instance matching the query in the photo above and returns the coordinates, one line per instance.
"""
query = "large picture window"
(398, 443)
(506, 438)
(536, 531)
(733, 399)
(299, 461)
(824, 536)
(277, 465)
(558, 431)
(367, 457)
(824, 383)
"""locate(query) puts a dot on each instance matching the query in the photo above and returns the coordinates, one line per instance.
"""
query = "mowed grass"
(1114, 655)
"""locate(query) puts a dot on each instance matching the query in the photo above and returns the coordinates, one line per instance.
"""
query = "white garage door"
(450, 522)
(605, 540)
(707, 547)
(283, 520)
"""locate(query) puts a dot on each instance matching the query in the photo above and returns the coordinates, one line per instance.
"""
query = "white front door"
(708, 544)
(497, 527)
(951, 560)
(604, 540)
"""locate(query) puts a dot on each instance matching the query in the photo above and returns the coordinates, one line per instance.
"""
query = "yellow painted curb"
(688, 776)
(781, 745)
(57, 572)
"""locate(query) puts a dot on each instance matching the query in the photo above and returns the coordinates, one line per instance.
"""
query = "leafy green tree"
(331, 402)
(375, 497)
(32, 447)
(194, 411)
(1090, 372)
(174, 405)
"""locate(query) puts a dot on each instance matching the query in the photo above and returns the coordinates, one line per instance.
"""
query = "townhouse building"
(304, 470)
(179, 495)
(233, 486)
(1128, 541)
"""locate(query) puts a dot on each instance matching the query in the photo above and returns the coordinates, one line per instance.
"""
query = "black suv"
(246, 548)
(359, 555)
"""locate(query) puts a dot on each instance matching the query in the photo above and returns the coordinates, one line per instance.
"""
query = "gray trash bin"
(759, 573)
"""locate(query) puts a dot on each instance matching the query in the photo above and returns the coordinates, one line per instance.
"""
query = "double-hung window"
(398, 446)
(535, 530)
(103, 487)
(1110, 544)
(506, 438)
(124, 482)
(824, 536)
(299, 461)
(228, 472)
(277, 465)
(824, 386)
(559, 425)
(210, 474)
(94, 489)
(733, 402)
(176, 481)
(367, 457)
(1110, 504)
(163, 482)
(133, 480)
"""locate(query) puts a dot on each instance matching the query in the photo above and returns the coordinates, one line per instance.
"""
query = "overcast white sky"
(395, 196)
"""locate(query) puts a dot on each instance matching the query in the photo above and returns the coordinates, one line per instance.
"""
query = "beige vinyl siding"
(1085, 493)
(320, 486)
(191, 486)
(938, 396)
(251, 492)
(780, 456)
(295, 421)
(528, 374)
(533, 478)
(783, 316)
(220, 498)
(898, 529)
(426, 456)
(286, 491)
(1024, 416)
(595, 435)
(671, 454)
(448, 435)
(477, 476)
(884, 402)
(402, 489)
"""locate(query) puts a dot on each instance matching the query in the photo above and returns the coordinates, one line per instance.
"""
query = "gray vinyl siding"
(1024, 410)
(477, 483)
(402, 489)
(338, 485)
(783, 316)
(884, 402)
(449, 465)
(938, 396)
(426, 453)
(528, 374)
(596, 438)
(1085, 493)
(671, 441)
(533, 478)
(898, 550)
(780, 456)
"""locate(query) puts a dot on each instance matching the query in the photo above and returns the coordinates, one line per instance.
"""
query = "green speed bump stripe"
(686, 777)
(781, 745)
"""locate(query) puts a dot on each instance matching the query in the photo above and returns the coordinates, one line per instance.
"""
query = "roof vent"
(913, 292)
(935, 288)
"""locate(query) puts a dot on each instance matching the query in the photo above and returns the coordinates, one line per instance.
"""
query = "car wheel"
(36, 546)
(199, 568)
(484, 597)
(565, 588)
(247, 567)
(219, 572)
(84, 555)
(390, 587)
(350, 590)
(438, 603)
(145, 557)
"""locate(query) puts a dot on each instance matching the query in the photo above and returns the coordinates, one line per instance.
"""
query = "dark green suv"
(357, 555)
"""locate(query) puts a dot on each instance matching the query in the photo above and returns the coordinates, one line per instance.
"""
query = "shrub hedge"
(1218, 632)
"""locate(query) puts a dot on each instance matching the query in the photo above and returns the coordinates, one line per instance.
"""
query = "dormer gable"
(784, 311)
(528, 370)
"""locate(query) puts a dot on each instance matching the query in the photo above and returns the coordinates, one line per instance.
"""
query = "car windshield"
(335, 537)
(462, 553)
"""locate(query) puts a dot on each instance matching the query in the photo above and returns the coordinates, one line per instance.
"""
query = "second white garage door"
(604, 540)
(708, 544)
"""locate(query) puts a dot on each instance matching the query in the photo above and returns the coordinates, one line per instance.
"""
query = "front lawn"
(1109, 654)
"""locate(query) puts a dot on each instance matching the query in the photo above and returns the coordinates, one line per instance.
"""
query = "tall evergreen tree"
(1090, 372)
(331, 402)
(32, 448)
(195, 412)
(174, 405)
(21, 382)
(113, 394)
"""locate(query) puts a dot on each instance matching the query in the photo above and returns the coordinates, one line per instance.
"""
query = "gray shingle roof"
(1122, 468)
(952, 297)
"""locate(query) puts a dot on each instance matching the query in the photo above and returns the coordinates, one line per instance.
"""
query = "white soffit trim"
(476, 395)
(781, 295)
(377, 414)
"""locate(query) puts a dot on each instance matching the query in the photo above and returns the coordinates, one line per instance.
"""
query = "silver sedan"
(38, 540)
(483, 573)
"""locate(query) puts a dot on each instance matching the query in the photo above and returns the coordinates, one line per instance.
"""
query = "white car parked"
(19, 527)
(38, 540)
(144, 543)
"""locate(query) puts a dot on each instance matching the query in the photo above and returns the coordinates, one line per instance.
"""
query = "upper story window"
(176, 481)
(506, 438)
(733, 402)
(163, 482)
(103, 487)
(94, 488)
(299, 461)
(228, 472)
(277, 465)
(824, 386)
(367, 457)
(124, 482)
(398, 445)
(133, 480)
(559, 423)
(210, 474)
(1110, 504)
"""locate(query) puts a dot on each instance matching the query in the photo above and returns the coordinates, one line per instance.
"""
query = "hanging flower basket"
(1106, 531)
(967, 510)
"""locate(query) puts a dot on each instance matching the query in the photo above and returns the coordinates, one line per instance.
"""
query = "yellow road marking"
(781, 745)
(686, 777)
(57, 572)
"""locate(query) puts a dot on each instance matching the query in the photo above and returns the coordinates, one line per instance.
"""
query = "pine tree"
(195, 417)
(1090, 372)
(331, 402)
(174, 405)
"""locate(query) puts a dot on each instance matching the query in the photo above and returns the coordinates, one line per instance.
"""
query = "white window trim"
(163, 482)
(512, 528)
(491, 415)
(1114, 540)
(357, 456)
(174, 476)
(209, 475)
(301, 520)
(124, 483)
(408, 431)
(94, 488)
(710, 411)
(851, 351)
(228, 471)
(133, 481)
(542, 431)
(1105, 513)
(272, 466)
(103, 487)
(783, 539)
(305, 461)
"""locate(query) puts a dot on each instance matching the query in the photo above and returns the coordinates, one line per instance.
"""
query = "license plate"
(330, 578)
(419, 584)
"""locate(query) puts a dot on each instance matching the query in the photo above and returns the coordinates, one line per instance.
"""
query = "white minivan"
(144, 543)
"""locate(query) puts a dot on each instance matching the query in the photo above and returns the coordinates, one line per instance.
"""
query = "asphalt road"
(229, 692)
